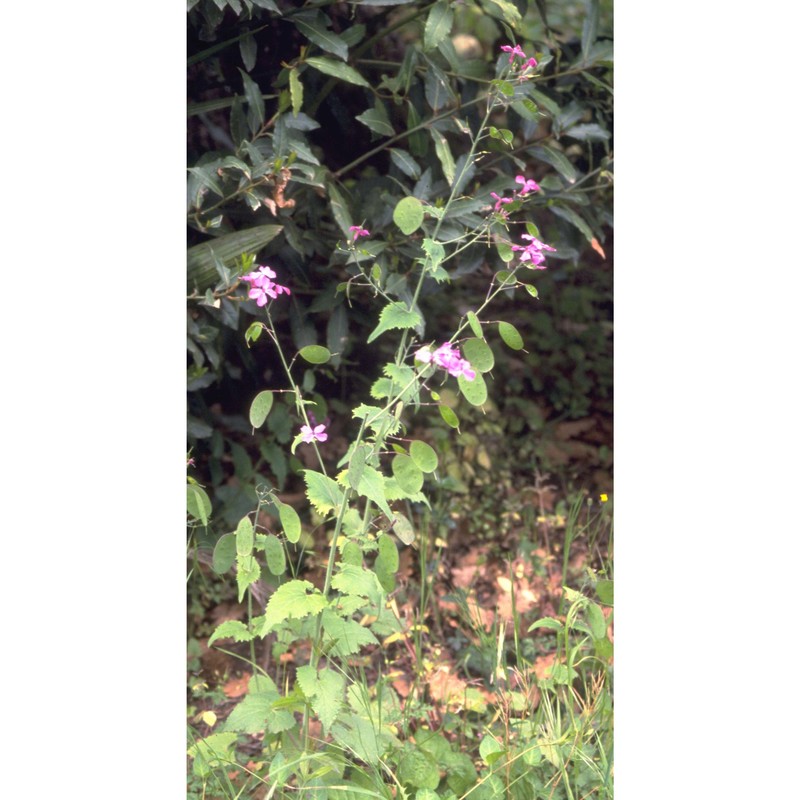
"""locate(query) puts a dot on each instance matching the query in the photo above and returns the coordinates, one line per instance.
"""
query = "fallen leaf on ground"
(236, 687)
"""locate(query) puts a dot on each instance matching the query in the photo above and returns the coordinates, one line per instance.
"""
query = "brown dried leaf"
(445, 687)
(236, 687)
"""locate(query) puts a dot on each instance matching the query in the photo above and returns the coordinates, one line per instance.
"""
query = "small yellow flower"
(604, 498)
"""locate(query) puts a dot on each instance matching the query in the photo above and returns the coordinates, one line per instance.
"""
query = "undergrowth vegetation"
(400, 586)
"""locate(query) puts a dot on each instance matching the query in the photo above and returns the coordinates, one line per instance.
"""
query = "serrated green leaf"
(424, 456)
(224, 553)
(510, 335)
(393, 317)
(438, 25)
(434, 250)
(295, 599)
(475, 390)
(357, 580)
(337, 69)
(323, 492)
(408, 215)
(257, 713)
(371, 485)
(479, 354)
(231, 629)
(407, 474)
(315, 354)
(344, 636)
(444, 155)
(325, 690)
(260, 408)
(250, 715)
(417, 768)
(212, 752)
(253, 332)
(461, 773)
(359, 736)
(247, 573)
(198, 503)
(276, 557)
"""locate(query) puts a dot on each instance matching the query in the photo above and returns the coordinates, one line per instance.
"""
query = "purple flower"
(258, 276)
(424, 355)
(533, 252)
(262, 287)
(357, 231)
(516, 50)
(501, 201)
(316, 434)
(527, 185)
(448, 358)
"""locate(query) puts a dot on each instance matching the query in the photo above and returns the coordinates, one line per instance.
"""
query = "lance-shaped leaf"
(200, 269)
(438, 25)
(444, 155)
(337, 69)
(313, 25)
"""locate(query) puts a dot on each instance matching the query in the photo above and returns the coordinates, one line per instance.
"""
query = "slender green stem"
(299, 404)
(490, 106)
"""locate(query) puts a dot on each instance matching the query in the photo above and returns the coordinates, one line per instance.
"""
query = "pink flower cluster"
(528, 186)
(262, 287)
(447, 357)
(533, 252)
(516, 50)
